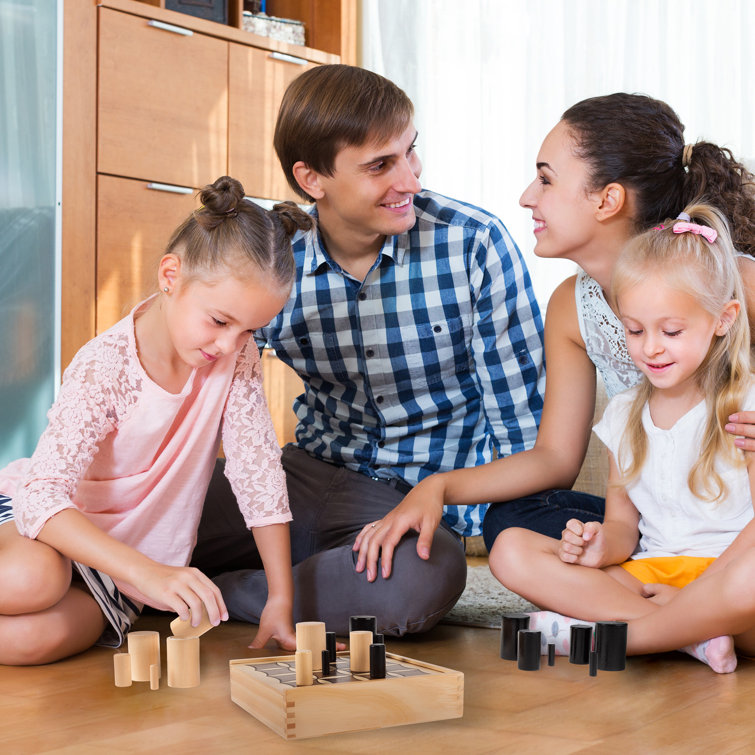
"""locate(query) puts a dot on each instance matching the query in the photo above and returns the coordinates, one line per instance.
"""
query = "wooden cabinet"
(156, 105)
(162, 102)
(257, 81)
(134, 222)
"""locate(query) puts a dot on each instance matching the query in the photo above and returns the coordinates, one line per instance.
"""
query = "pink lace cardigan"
(137, 460)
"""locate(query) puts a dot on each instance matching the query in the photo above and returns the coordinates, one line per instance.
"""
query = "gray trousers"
(330, 505)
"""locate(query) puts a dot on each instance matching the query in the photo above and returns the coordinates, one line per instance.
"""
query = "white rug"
(484, 600)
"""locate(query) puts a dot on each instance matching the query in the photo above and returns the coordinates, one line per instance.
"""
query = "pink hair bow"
(705, 231)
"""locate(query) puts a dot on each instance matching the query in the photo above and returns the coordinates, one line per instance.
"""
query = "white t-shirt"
(673, 521)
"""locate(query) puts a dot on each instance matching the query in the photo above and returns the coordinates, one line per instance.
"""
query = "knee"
(509, 554)
(30, 640)
(740, 575)
(34, 584)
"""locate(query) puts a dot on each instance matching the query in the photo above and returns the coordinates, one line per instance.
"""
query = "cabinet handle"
(288, 58)
(170, 27)
(171, 188)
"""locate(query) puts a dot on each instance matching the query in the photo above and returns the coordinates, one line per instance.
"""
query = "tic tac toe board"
(412, 692)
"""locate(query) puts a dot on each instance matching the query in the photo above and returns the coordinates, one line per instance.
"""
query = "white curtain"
(490, 78)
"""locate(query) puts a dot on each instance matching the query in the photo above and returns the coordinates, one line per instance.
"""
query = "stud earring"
(167, 290)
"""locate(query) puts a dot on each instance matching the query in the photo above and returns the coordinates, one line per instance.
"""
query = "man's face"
(372, 187)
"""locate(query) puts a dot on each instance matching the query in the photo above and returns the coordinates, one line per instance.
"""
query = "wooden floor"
(662, 704)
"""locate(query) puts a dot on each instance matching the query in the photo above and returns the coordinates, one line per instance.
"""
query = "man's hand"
(420, 511)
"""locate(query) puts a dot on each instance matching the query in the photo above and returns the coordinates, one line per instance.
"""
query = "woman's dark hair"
(638, 141)
(229, 231)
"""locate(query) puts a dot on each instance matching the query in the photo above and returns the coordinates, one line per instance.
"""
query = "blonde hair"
(709, 273)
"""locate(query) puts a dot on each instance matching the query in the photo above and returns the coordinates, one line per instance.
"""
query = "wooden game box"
(412, 692)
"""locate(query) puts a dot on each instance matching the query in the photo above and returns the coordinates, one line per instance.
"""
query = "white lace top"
(136, 460)
(604, 338)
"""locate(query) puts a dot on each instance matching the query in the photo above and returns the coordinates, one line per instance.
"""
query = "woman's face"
(563, 208)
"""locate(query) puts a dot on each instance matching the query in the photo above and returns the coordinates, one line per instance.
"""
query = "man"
(415, 330)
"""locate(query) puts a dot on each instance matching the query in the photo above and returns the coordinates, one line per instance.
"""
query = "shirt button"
(379, 399)
(381, 444)
(437, 329)
(362, 295)
(370, 353)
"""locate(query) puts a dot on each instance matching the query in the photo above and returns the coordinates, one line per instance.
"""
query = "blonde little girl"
(103, 518)
(673, 556)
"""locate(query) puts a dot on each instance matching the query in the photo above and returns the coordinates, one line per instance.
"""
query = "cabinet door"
(258, 79)
(162, 102)
(134, 224)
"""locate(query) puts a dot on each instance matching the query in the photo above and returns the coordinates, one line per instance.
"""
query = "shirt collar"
(316, 258)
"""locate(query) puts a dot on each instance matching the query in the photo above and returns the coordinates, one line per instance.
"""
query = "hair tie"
(687, 155)
(685, 226)
(232, 213)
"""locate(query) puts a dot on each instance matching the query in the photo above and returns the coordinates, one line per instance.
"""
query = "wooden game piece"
(183, 661)
(511, 623)
(580, 643)
(362, 624)
(183, 628)
(122, 669)
(325, 655)
(551, 654)
(330, 643)
(412, 692)
(528, 650)
(611, 645)
(359, 650)
(304, 676)
(593, 663)
(377, 660)
(378, 639)
(310, 635)
(154, 676)
(144, 649)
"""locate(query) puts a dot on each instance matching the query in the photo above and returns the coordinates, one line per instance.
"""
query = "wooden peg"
(359, 650)
(154, 676)
(183, 628)
(303, 661)
(183, 661)
(144, 649)
(310, 635)
(122, 669)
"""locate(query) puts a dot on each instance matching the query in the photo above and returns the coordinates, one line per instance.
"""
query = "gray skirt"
(119, 610)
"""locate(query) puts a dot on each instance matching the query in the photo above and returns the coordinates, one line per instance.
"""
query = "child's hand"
(582, 543)
(659, 593)
(181, 589)
(276, 623)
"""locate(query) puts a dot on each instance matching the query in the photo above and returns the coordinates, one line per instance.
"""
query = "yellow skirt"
(676, 571)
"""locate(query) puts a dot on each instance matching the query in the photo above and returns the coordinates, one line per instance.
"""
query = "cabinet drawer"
(162, 102)
(258, 79)
(134, 224)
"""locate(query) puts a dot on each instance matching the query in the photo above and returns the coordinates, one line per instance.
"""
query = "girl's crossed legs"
(718, 603)
(43, 616)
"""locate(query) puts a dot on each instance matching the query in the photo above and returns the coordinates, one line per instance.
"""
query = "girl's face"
(562, 208)
(208, 319)
(668, 332)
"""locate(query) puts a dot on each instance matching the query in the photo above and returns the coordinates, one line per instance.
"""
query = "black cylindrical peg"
(611, 645)
(528, 641)
(511, 623)
(580, 643)
(377, 660)
(330, 644)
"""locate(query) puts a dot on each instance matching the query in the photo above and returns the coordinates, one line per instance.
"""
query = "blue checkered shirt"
(430, 363)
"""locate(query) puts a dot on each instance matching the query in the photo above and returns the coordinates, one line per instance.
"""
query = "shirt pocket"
(438, 350)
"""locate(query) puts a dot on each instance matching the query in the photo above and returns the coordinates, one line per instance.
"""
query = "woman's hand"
(421, 510)
(742, 424)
